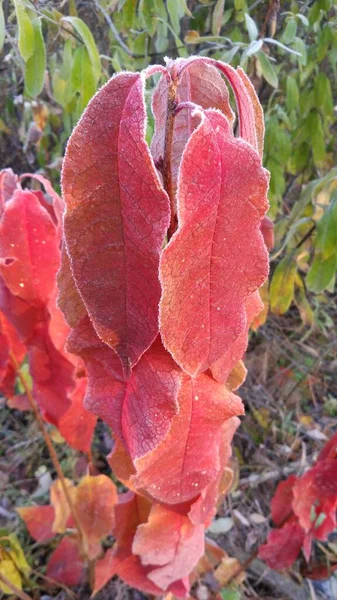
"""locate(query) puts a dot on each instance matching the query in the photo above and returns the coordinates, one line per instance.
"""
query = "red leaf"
(139, 410)
(77, 425)
(281, 504)
(201, 84)
(22, 316)
(283, 546)
(69, 299)
(250, 113)
(319, 571)
(128, 567)
(117, 214)
(267, 230)
(94, 503)
(52, 374)
(52, 198)
(315, 499)
(65, 563)
(188, 459)
(29, 249)
(170, 541)
(329, 450)
(130, 511)
(224, 365)
(207, 272)
(203, 510)
(19, 402)
(10, 345)
(39, 521)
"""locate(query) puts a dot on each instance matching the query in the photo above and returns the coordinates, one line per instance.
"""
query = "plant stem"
(19, 593)
(51, 451)
(167, 161)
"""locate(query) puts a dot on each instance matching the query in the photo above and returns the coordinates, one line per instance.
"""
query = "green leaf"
(229, 55)
(2, 26)
(251, 28)
(26, 31)
(147, 16)
(280, 45)
(281, 290)
(302, 303)
(217, 16)
(82, 78)
(254, 47)
(289, 32)
(267, 69)
(300, 47)
(292, 93)
(230, 594)
(323, 94)
(315, 128)
(35, 68)
(174, 14)
(325, 259)
(303, 19)
(88, 39)
(129, 13)
(180, 47)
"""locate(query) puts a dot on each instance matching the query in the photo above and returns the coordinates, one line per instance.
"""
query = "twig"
(115, 32)
(122, 43)
(19, 593)
(167, 159)
(51, 450)
(271, 16)
(54, 583)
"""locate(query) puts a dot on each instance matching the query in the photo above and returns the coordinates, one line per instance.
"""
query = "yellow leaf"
(260, 319)
(228, 569)
(307, 421)
(237, 376)
(262, 416)
(281, 290)
(12, 563)
(191, 37)
(8, 569)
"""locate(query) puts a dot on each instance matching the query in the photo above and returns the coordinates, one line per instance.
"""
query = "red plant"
(303, 509)
(32, 328)
(163, 258)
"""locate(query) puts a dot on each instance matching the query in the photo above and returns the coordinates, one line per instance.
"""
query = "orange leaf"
(60, 504)
(94, 503)
(39, 521)
(170, 541)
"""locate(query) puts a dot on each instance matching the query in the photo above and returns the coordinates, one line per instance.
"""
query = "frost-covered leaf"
(116, 218)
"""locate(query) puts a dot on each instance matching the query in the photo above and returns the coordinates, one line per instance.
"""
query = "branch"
(18, 593)
(51, 450)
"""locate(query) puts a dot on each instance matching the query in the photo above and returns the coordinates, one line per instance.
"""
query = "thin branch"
(51, 450)
(167, 159)
(115, 32)
(55, 583)
(19, 593)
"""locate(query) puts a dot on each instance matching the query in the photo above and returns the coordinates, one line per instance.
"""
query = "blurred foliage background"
(55, 55)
